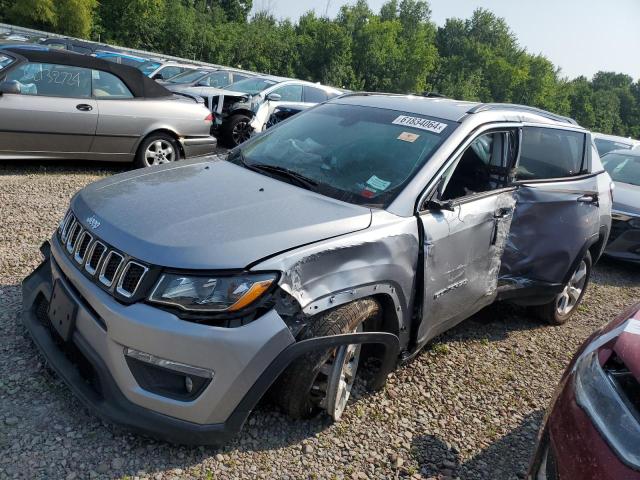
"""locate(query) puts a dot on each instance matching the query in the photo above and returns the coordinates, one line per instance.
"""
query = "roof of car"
(138, 83)
(444, 108)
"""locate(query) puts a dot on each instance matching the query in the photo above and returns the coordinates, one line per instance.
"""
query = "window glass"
(5, 60)
(362, 155)
(550, 153)
(189, 76)
(216, 79)
(251, 85)
(131, 61)
(238, 76)
(482, 167)
(79, 49)
(52, 80)
(169, 72)
(314, 95)
(606, 146)
(107, 86)
(289, 93)
(623, 168)
(59, 46)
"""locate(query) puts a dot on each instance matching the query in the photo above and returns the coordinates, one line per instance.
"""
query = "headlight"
(597, 395)
(204, 293)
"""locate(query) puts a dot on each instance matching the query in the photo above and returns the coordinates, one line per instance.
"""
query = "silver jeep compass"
(171, 300)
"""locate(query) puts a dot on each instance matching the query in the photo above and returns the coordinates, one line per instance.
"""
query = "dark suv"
(366, 225)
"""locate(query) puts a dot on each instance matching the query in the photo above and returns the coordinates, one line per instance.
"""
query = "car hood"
(210, 214)
(626, 198)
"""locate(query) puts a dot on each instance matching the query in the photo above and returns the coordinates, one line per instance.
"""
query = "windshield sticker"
(408, 137)
(633, 326)
(421, 123)
(378, 183)
(367, 193)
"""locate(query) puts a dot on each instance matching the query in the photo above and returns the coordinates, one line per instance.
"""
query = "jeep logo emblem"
(93, 222)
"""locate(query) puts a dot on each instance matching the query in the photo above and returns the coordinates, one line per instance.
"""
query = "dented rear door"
(557, 211)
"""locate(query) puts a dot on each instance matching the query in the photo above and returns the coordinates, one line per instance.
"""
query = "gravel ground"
(468, 407)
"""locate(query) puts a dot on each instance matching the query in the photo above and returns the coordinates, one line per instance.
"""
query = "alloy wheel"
(159, 152)
(241, 132)
(570, 295)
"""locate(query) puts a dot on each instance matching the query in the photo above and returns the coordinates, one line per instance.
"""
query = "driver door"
(466, 220)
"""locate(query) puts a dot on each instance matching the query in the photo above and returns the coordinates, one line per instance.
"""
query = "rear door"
(53, 116)
(557, 210)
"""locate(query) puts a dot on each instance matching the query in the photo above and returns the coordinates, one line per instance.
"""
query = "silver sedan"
(57, 105)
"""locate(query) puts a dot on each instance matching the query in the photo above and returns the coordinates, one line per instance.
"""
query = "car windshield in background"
(251, 85)
(5, 60)
(623, 168)
(361, 155)
(148, 67)
(606, 146)
(189, 76)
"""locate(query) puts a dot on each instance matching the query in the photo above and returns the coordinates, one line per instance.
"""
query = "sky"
(580, 36)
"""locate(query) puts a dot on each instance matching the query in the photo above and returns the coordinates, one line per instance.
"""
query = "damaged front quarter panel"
(379, 261)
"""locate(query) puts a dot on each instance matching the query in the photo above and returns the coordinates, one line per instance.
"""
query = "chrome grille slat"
(129, 275)
(110, 264)
(74, 233)
(91, 266)
(84, 240)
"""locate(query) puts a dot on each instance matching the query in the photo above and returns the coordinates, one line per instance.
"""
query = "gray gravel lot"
(469, 407)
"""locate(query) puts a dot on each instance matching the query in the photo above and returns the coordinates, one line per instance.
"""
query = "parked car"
(198, 81)
(235, 106)
(74, 45)
(624, 168)
(271, 113)
(185, 292)
(607, 143)
(59, 105)
(164, 70)
(592, 429)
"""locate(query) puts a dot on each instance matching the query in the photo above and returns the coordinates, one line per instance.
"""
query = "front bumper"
(197, 147)
(570, 446)
(246, 360)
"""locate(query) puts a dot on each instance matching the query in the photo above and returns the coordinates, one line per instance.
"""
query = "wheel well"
(389, 319)
(166, 131)
(598, 247)
(241, 111)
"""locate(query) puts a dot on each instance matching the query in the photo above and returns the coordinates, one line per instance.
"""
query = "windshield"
(623, 168)
(251, 85)
(361, 155)
(189, 76)
(148, 67)
(606, 146)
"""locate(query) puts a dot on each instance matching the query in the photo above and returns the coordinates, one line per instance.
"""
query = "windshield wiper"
(300, 179)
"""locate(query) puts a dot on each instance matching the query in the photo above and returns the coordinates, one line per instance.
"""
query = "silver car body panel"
(237, 356)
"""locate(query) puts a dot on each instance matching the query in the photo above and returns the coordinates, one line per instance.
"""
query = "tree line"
(398, 49)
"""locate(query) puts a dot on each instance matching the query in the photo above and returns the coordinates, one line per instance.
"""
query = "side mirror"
(274, 97)
(439, 205)
(12, 87)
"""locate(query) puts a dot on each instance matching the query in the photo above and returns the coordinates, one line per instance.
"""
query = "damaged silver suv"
(362, 227)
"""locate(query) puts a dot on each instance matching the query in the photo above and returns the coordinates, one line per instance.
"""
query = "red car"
(592, 429)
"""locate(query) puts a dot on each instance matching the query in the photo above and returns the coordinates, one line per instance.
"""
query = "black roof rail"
(483, 107)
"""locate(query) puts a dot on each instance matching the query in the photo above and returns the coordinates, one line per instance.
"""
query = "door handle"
(589, 198)
(83, 107)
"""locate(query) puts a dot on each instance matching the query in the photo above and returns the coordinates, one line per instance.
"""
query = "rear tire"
(564, 305)
(236, 130)
(301, 390)
(156, 149)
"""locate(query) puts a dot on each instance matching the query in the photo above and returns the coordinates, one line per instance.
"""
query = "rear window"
(550, 153)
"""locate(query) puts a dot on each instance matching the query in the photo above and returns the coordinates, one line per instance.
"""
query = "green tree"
(33, 13)
(75, 17)
(133, 23)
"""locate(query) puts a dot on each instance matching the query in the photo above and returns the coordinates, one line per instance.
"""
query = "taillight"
(209, 118)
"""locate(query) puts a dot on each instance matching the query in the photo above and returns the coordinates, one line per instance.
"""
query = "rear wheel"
(560, 310)
(237, 130)
(323, 380)
(157, 149)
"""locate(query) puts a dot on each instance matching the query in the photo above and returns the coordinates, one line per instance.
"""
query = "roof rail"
(483, 107)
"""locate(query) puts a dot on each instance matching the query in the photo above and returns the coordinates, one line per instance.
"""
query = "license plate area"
(62, 311)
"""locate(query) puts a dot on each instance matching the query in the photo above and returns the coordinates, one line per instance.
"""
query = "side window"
(217, 79)
(107, 86)
(289, 93)
(314, 95)
(483, 166)
(171, 71)
(550, 153)
(52, 80)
